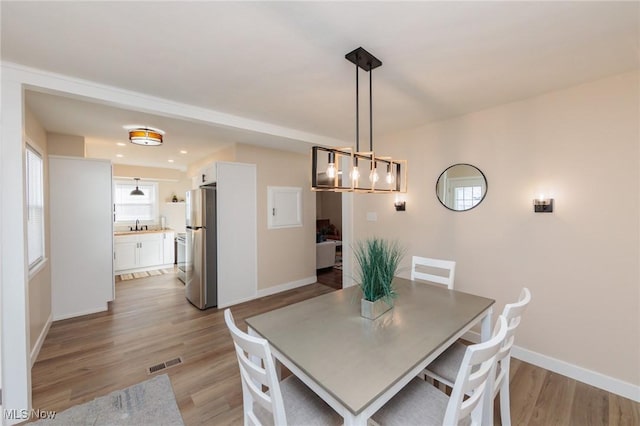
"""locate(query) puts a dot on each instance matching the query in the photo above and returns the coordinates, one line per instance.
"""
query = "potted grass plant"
(378, 259)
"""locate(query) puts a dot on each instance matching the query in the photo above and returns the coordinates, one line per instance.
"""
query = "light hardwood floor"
(151, 322)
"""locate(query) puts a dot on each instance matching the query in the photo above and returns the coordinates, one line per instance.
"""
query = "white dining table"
(355, 364)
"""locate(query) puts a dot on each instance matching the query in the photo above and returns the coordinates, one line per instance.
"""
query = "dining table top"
(355, 359)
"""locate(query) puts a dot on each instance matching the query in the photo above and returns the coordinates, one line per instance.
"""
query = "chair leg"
(505, 404)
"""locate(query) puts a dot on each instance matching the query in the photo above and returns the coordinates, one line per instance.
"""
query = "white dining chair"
(418, 273)
(289, 402)
(420, 403)
(445, 367)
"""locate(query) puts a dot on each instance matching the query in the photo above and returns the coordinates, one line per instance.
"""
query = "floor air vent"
(164, 365)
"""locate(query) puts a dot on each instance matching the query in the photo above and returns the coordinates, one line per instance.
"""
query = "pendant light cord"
(370, 109)
(357, 112)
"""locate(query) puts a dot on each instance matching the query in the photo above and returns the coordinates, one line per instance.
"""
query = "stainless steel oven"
(181, 258)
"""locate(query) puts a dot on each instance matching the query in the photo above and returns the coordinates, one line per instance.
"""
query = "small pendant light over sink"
(136, 191)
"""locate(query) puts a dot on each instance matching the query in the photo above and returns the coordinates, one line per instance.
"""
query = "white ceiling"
(283, 63)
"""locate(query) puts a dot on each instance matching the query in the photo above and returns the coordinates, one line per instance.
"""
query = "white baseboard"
(43, 335)
(286, 286)
(272, 290)
(79, 314)
(235, 302)
(593, 378)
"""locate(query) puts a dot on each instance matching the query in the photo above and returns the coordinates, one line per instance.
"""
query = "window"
(35, 206)
(129, 208)
(467, 197)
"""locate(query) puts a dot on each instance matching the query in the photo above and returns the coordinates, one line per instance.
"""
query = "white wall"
(16, 367)
(286, 256)
(581, 262)
(174, 213)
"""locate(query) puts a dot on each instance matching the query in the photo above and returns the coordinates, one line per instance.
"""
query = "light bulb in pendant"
(390, 176)
(373, 176)
(331, 168)
(354, 174)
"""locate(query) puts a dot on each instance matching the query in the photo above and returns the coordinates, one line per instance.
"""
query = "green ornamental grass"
(379, 260)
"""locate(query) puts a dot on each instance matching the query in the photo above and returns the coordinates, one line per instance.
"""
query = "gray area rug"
(151, 402)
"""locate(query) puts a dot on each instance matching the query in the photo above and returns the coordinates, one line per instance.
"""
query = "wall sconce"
(543, 205)
(400, 206)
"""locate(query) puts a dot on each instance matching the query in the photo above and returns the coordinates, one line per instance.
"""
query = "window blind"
(129, 207)
(35, 206)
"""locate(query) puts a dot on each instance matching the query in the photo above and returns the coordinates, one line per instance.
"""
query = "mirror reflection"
(461, 187)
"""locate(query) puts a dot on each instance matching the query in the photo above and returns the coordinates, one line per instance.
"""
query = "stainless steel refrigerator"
(201, 249)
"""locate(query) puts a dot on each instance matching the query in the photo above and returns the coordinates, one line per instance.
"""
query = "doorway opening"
(329, 232)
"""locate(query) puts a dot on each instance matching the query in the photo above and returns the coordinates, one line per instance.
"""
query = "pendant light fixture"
(136, 191)
(339, 160)
(146, 136)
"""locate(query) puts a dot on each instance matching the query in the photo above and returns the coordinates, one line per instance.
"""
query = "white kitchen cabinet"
(150, 249)
(168, 250)
(125, 253)
(142, 252)
(207, 174)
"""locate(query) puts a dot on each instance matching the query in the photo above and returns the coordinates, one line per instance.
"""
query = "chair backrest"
(478, 366)
(448, 265)
(512, 312)
(253, 353)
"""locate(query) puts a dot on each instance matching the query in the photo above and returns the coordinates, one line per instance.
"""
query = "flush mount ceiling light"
(146, 136)
(136, 191)
(342, 169)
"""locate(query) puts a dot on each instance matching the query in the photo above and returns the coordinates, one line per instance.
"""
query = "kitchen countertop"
(150, 231)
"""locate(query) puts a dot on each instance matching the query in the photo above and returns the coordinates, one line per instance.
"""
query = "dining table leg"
(485, 329)
(356, 421)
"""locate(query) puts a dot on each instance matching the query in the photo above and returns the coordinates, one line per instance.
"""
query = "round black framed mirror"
(461, 187)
